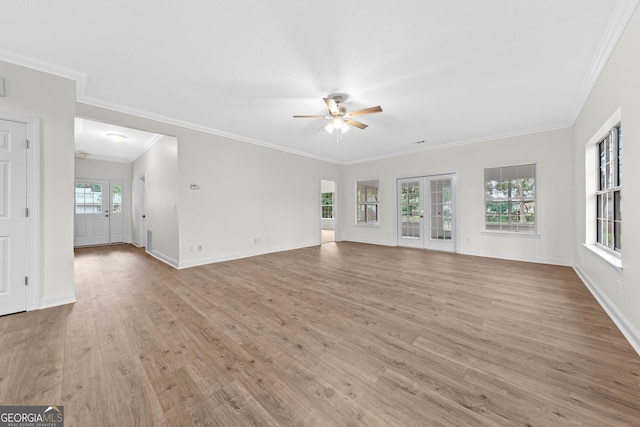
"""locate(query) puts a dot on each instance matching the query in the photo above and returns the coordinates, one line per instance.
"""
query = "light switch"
(195, 186)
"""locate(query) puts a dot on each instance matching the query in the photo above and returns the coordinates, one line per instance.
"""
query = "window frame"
(91, 199)
(324, 205)
(514, 199)
(591, 180)
(368, 204)
(608, 186)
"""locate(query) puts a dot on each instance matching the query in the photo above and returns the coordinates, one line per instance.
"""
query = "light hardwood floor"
(335, 335)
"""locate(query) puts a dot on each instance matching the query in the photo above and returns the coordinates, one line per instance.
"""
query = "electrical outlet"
(199, 248)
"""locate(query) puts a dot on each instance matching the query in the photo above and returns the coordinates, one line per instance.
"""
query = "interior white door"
(426, 212)
(92, 206)
(13, 217)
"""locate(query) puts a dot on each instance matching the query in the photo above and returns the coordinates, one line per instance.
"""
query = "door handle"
(107, 216)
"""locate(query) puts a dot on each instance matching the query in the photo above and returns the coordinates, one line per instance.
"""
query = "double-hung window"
(367, 202)
(510, 198)
(327, 205)
(609, 191)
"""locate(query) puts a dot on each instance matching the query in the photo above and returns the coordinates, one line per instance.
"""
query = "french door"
(99, 212)
(426, 212)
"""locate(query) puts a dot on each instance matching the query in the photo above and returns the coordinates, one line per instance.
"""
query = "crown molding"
(619, 19)
(47, 67)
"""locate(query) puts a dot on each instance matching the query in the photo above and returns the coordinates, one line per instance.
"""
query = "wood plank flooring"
(342, 334)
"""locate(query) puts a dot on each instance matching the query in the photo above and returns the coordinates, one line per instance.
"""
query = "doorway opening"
(327, 211)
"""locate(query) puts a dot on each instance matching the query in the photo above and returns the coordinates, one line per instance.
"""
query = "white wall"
(159, 165)
(617, 87)
(101, 169)
(550, 151)
(52, 100)
(251, 200)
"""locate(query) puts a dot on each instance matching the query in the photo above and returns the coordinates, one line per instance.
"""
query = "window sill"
(611, 259)
(527, 234)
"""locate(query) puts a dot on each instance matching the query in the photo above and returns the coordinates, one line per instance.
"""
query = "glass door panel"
(411, 213)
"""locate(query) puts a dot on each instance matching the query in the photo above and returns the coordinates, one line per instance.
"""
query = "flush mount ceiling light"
(116, 137)
(339, 118)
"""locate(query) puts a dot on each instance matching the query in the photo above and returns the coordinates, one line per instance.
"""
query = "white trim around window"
(592, 185)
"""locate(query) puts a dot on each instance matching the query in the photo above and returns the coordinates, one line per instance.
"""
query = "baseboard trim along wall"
(56, 300)
(164, 258)
(628, 330)
(511, 257)
(244, 254)
(369, 242)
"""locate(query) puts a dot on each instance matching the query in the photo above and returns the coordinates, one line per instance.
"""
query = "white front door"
(426, 212)
(92, 208)
(13, 217)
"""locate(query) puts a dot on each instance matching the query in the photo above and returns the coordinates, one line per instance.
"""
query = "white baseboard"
(56, 300)
(368, 242)
(244, 254)
(164, 258)
(511, 257)
(629, 331)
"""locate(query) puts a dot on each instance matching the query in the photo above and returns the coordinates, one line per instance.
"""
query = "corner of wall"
(627, 328)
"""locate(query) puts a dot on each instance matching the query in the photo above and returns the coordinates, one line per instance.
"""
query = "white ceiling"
(444, 72)
(93, 142)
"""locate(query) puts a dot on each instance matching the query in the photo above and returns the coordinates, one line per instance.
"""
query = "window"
(510, 198)
(367, 202)
(116, 198)
(609, 191)
(327, 205)
(88, 198)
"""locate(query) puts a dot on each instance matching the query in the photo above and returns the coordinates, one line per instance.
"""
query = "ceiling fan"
(339, 118)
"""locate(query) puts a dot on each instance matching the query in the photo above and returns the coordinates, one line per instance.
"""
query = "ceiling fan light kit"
(339, 118)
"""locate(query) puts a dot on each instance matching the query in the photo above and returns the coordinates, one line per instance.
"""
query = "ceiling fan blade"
(332, 105)
(356, 124)
(370, 110)
(310, 117)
